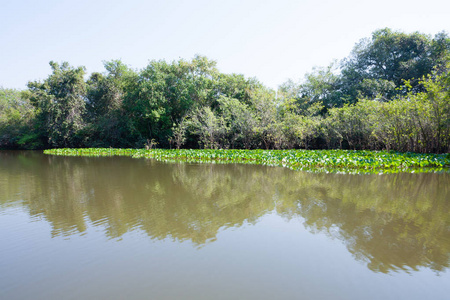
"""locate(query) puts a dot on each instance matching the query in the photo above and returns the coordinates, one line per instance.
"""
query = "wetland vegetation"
(219, 210)
(329, 161)
(87, 219)
(392, 92)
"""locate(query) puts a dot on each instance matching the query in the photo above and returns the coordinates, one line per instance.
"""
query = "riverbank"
(332, 161)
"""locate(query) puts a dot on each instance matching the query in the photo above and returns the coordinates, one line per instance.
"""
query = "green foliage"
(179, 130)
(208, 127)
(308, 160)
(108, 124)
(163, 94)
(391, 93)
(30, 141)
(267, 128)
(319, 87)
(60, 104)
(299, 127)
(350, 127)
(416, 122)
(17, 121)
(377, 66)
(239, 122)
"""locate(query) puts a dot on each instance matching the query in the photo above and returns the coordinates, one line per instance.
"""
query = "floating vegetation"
(329, 161)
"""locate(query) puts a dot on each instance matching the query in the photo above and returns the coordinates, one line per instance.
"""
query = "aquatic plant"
(330, 161)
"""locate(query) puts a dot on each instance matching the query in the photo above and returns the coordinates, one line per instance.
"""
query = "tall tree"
(321, 86)
(379, 65)
(106, 93)
(60, 103)
(17, 121)
(164, 93)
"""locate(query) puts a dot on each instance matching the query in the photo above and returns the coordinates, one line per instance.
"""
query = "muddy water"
(115, 228)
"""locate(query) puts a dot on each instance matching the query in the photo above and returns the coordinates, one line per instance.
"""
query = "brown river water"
(124, 228)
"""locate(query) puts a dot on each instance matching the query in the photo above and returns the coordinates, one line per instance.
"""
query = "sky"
(272, 40)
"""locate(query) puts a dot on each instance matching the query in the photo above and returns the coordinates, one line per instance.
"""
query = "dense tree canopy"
(379, 65)
(60, 104)
(16, 120)
(391, 92)
(376, 68)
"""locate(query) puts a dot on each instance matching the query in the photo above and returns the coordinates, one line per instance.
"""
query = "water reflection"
(391, 222)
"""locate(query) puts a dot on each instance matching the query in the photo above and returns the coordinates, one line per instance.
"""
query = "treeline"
(392, 92)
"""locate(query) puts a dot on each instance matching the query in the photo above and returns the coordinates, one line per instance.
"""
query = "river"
(118, 227)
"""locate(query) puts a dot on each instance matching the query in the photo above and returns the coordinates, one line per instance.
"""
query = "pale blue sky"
(272, 40)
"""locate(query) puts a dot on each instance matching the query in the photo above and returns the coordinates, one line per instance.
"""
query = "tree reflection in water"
(392, 222)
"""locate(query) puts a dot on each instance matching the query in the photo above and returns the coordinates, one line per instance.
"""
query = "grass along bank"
(332, 161)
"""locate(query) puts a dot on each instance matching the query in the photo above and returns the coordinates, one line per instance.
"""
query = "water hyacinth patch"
(332, 161)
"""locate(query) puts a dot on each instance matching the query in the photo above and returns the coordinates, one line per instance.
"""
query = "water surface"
(114, 228)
